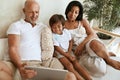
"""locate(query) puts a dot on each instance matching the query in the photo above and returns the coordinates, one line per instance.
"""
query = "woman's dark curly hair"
(75, 3)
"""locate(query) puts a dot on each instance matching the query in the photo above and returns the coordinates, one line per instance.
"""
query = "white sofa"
(48, 60)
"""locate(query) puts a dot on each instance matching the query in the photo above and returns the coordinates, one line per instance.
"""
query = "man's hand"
(26, 73)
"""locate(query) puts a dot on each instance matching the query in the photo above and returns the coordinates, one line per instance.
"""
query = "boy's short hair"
(56, 18)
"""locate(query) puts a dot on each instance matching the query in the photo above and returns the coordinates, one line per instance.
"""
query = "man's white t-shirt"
(30, 48)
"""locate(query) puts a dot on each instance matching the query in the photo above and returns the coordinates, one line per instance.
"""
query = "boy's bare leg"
(70, 76)
(82, 71)
(102, 52)
(67, 64)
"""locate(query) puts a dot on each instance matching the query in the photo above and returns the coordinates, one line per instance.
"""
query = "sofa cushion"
(47, 43)
(4, 49)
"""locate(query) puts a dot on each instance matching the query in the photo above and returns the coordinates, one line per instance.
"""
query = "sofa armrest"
(3, 48)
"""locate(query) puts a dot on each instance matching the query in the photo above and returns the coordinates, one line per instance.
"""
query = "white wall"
(11, 10)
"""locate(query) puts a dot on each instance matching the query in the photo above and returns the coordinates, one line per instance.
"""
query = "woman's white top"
(78, 34)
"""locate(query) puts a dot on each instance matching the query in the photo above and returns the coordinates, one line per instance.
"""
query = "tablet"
(44, 73)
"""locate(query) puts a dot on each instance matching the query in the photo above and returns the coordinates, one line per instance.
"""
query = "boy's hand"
(71, 58)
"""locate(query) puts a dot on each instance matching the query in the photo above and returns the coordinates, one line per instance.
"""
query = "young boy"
(63, 47)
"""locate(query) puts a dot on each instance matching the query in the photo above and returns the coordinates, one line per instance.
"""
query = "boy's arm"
(66, 54)
(70, 46)
(57, 48)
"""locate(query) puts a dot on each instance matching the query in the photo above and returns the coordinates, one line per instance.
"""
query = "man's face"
(31, 13)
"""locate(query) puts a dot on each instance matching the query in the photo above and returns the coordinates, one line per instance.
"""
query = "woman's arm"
(90, 35)
(66, 54)
(89, 30)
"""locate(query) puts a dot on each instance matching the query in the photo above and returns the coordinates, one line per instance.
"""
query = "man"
(24, 40)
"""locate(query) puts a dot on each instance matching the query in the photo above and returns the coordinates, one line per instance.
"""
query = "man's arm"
(13, 43)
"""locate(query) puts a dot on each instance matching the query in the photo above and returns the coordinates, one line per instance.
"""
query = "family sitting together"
(76, 45)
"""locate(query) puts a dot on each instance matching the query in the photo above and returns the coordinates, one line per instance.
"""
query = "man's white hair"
(38, 1)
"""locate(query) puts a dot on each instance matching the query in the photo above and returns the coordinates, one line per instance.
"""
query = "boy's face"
(57, 28)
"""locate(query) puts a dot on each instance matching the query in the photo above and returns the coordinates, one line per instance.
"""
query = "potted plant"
(106, 12)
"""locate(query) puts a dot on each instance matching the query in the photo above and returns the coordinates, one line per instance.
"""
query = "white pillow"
(46, 43)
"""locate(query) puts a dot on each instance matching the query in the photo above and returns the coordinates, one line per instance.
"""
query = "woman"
(87, 41)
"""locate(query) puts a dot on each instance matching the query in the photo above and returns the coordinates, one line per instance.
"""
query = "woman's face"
(73, 13)
(57, 28)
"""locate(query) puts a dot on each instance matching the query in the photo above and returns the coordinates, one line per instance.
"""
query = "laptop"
(44, 73)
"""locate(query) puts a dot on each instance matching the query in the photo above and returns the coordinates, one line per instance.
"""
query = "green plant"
(107, 12)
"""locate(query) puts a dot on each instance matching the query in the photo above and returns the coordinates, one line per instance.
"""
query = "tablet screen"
(44, 73)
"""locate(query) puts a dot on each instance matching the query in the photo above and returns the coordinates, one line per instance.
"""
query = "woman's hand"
(78, 51)
(26, 73)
